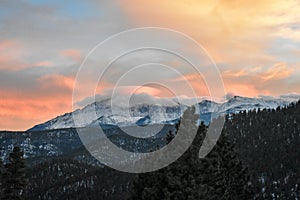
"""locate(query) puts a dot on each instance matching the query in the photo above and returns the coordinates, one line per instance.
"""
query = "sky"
(255, 44)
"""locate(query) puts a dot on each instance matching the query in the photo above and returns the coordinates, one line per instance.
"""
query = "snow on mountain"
(146, 113)
(237, 104)
(140, 114)
(207, 106)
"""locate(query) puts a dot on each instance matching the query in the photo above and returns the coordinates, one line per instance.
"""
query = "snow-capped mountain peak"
(145, 113)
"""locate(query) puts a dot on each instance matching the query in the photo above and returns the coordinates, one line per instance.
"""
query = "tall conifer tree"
(14, 176)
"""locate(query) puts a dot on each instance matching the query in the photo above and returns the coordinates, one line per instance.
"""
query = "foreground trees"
(268, 141)
(220, 175)
(13, 177)
(1, 178)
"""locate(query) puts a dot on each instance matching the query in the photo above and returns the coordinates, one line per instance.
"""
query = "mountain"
(144, 113)
(267, 142)
(138, 114)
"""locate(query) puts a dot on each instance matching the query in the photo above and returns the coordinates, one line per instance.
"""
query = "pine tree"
(14, 176)
(1, 178)
(220, 175)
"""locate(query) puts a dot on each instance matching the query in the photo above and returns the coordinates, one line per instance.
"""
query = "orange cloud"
(238, 73)
(74, 54)
(193, 80)
(256, 81)
(21, 114)
(234, 32)
(20, 110)
(248, 82)
(243, 89)
(148, 90)
(56, 81)
(155, 90)
(128, 90)
(45, 63)
(278, 71)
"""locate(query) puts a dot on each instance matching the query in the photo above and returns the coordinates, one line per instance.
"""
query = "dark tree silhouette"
(14, 175)
(1, 178)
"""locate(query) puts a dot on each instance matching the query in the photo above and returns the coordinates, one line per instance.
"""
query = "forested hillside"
(70, 179)
(268, 143)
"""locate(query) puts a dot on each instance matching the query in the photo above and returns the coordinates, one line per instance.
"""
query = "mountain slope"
(143, 114)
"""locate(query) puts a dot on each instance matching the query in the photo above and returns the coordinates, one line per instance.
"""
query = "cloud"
(255, 44)
(45, 63)
(241, 37)
(125, 100)
(26, 102)
(11, 55)
(37, 54)
(276, 72)
(227, 33)
(237, 73)
(74, 54)
(274, 80)
(55, 82)
(234, 32)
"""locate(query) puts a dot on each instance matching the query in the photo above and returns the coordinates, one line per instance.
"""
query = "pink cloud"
(51, 96)
(11, 54)
(276, 72)
(74, 54)
(12, 57)
(56, 81)
(45, 63)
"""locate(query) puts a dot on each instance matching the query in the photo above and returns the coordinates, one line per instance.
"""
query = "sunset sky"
(255, 44)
